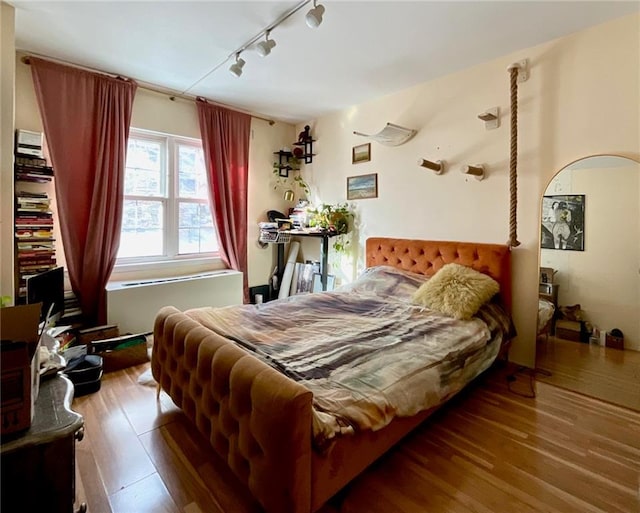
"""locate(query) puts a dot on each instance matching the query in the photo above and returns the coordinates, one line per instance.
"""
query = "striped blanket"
(365, 351)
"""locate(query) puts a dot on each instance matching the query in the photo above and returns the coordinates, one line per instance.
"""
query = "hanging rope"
(513, 164)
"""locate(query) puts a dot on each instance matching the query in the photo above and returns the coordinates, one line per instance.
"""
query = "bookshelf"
(34, 239)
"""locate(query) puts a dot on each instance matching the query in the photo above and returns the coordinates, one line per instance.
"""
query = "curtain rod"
(173, 95)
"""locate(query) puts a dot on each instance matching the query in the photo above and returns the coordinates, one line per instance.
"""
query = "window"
(166, 211)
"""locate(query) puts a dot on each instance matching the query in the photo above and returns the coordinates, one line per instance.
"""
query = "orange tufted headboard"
(427, 256)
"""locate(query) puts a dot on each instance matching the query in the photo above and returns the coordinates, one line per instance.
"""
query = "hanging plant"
(290, 182)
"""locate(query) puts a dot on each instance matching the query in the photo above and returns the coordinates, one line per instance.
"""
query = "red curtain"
(86, 120)
(225, 140)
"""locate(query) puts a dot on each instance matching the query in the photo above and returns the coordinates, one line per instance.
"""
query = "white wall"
(603, 279)
(582, 98)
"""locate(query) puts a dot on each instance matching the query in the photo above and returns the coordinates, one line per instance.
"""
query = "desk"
(324, 253)
(38, 465)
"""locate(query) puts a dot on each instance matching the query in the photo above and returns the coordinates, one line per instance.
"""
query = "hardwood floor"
(612, 375)
(488, 451)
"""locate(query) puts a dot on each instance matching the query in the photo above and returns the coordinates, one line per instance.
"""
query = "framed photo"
(361, 153)
(563, 222)
(362, 186)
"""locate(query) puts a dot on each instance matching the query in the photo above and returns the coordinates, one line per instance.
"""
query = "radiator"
(133, 305)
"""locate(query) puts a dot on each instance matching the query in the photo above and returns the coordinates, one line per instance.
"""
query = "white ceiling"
(362, 50)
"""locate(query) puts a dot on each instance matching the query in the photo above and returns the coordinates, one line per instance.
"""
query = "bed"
(547, 302)
(267, 420)
(546, 313)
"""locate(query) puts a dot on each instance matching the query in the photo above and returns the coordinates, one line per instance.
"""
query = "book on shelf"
(26, 258)
(28, 160)
(32, 194)
(34, 208)
(30, 225)
(40, 254)
(35, 215)
(29, 203)
(22, 235)
(44, 245)
(34, 198)
(34, 224)
(33, 177)
(40, 170)
(36, 269)
(27, 165)
(36, 260)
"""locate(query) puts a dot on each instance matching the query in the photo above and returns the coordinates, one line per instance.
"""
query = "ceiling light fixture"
(314, 16)
(264, 48)
(236, 67)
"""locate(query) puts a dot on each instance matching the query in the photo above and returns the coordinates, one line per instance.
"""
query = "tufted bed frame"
(259, 421)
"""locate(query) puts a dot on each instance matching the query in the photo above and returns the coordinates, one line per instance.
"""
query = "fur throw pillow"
(456, 290)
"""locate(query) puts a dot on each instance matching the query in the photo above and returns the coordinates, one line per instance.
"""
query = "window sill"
(164, 268)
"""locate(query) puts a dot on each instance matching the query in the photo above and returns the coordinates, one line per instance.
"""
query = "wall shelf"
(283, 165)
(285, 162)
(307, 148)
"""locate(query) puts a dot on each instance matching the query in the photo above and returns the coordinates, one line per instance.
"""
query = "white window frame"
(170, 258)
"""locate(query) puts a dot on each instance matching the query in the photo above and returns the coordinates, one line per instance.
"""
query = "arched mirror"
(589, 306)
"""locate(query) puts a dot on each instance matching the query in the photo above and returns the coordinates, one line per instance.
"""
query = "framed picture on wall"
(362, 186)
(361, 153)
(563, 222)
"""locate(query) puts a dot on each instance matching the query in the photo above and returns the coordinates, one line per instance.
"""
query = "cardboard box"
(20, 374)
(568, 330)
(121, 352)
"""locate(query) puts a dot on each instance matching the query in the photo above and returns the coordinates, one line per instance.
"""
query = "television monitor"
(47, 288)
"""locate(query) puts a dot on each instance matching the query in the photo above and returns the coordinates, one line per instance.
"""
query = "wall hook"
(437, 167)
(476, 171)
(491, 118)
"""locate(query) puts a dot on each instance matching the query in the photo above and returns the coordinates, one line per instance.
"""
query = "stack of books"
(35, 242)
(72, 312)
(32, 169)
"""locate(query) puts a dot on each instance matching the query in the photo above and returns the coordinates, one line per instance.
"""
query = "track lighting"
(314, 16)
(264, 48)
(236, 67)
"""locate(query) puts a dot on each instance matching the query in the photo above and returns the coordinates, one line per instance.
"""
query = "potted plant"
(333, 218)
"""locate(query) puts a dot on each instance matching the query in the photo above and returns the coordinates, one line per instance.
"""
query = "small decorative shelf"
(307, 149)
(284, 164)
